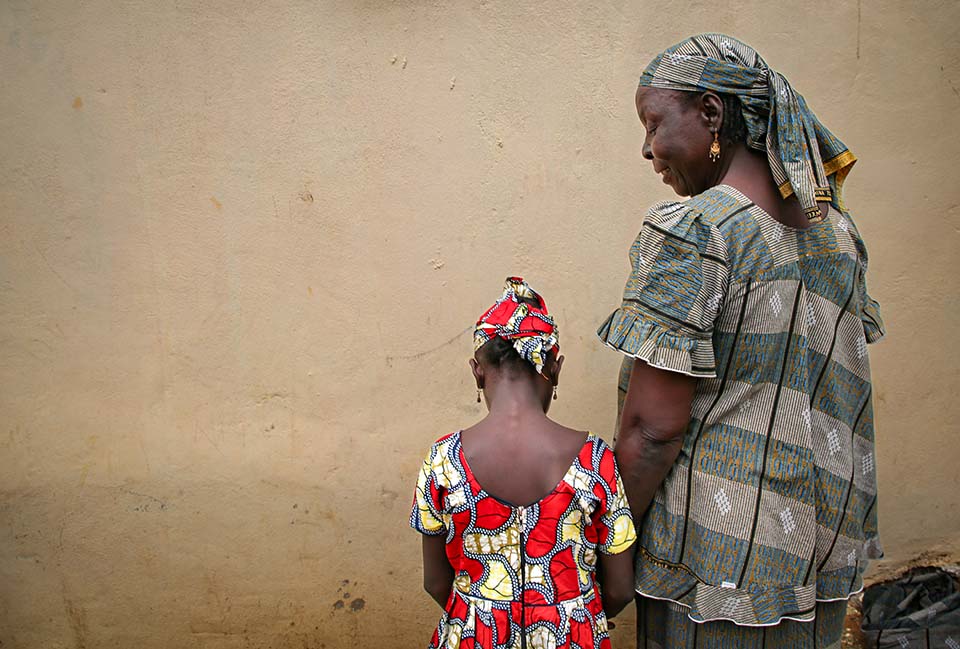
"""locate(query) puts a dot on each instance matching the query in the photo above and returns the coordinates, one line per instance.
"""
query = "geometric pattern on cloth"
(524, 576)
(770, 506)
(804, 157)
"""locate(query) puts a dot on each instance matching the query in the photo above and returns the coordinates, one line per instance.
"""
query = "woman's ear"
(477, 370)
(711, 108)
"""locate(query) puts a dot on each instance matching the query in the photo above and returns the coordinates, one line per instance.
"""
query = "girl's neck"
(515, 403)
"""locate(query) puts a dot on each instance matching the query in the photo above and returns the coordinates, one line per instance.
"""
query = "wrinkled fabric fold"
(873, 327)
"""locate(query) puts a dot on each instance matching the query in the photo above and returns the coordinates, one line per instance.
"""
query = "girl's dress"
(524, 575)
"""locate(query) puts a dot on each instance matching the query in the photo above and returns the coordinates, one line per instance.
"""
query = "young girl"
(515, 510)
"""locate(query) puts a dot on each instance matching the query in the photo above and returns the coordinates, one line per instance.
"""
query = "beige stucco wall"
(241, 246)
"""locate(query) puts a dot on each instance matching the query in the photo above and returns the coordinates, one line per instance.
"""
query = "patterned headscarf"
(805, 158)
(528, 326)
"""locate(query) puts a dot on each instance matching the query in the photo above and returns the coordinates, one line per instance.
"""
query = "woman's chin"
(682, 189)
(671, 181)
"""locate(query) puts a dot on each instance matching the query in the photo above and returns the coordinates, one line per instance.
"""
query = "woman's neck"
(749, 172)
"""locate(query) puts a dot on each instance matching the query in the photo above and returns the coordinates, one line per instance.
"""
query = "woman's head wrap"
(527, 326)
(805, 158)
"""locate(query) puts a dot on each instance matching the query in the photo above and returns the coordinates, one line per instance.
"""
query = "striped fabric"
(665, 625)
(805, 157)
(771, 505)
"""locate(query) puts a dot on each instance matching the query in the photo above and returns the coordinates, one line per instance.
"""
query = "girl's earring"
(478, 394)
(715, 147)
(554, 393)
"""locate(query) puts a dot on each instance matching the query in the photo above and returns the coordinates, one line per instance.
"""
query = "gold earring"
(554, 393)
(478, 394)
(715, 147)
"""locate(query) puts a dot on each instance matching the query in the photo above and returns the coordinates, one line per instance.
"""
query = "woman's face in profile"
(677, 138)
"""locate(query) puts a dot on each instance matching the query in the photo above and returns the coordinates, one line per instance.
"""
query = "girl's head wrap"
(526, 325)
(805, 158)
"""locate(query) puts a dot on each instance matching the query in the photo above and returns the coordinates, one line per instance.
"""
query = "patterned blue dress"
(771, 506)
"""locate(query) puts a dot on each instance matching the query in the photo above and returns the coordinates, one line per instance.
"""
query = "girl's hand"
(437, 571)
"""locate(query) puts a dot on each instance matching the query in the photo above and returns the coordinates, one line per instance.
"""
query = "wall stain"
(51, 268)
(153, 504)
(217, 204)
(78, 622)
(78, 103)
(270, 396)
(418, 355)
(388, 496)
(357, 604)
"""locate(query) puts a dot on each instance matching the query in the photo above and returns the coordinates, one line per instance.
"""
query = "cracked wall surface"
(243, 245)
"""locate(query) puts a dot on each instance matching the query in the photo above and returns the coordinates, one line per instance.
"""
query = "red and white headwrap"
(528, 327)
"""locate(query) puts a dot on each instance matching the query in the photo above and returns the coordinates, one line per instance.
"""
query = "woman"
(516, 510)
(746, 423)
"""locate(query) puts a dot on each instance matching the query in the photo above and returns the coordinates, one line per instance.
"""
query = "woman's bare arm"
(655, 416)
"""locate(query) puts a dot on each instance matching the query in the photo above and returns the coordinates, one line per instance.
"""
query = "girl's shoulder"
(447, 437)
(596, 474)
(445, 444)
(596, 458)
(597, 444)
(443, 461)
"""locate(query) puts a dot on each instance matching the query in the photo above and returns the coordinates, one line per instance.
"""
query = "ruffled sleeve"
(427, 514)
(675, 291)
(612, 519)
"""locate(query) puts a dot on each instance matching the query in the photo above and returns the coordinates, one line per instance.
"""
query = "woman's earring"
(554, 393)
(478, 394)
(715, 147)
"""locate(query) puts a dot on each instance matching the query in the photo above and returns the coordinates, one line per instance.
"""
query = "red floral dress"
(524, 575)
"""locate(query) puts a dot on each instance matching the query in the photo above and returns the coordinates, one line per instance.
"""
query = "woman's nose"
(646, 151)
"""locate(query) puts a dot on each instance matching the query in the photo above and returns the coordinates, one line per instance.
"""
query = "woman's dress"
(771, 505)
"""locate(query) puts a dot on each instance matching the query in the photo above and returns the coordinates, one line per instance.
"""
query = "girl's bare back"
(520, 467)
